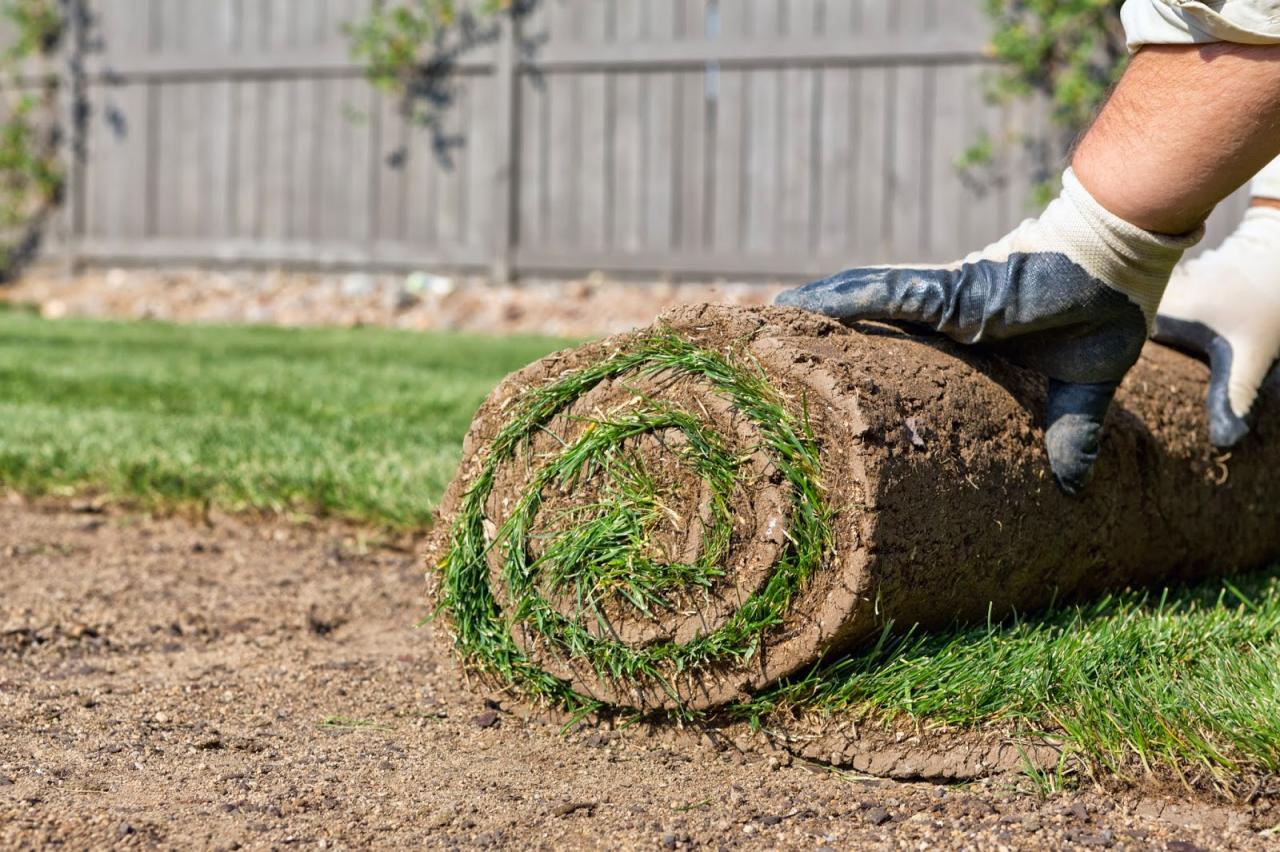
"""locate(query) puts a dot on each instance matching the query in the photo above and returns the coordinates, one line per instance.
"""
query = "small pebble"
(487, 719)
(877, 816)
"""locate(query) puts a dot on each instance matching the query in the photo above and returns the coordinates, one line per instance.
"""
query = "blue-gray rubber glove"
(1225, 307)
(1072, 295)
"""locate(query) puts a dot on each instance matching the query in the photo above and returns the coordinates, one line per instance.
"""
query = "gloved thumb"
(1236, 372)
(1247, 369)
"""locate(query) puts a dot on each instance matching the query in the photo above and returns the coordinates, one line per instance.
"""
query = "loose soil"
(228, 683)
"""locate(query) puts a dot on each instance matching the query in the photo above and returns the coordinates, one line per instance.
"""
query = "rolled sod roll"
(679, 517)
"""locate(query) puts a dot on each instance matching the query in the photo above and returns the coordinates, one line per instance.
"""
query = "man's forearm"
(1186, 127)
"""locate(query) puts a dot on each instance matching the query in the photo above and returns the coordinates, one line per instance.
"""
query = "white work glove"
(1225, 306)
(1072, 295)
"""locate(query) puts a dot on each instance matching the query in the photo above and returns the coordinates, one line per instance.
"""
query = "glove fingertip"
(1226, 428)
(1073, 436)
(1073, 444)
(793, 298)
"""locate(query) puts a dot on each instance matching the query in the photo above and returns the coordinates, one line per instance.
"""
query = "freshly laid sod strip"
(364, 424)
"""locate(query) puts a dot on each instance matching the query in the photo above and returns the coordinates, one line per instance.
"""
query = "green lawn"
(1184, 683)
(364, 424)
(367, 424)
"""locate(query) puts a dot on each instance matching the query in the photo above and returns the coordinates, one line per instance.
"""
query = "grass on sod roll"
(482, 626)
(367, 424)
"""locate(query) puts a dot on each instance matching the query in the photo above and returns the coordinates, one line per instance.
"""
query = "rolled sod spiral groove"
(600, 553)
(606, 553)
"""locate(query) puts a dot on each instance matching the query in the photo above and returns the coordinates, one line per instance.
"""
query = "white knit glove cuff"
(1138, 263)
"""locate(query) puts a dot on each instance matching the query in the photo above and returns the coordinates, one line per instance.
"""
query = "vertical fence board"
(426, 155)
(597, 117)
(452, 173)
(658, 189)
(392, 167)
(690, 164)
(946, 203)
(218, 165)
(764, 135)
(911, 127)
(245, 157)
(837, 157)
(838, 16)
(797, 193)
(728, 166)
(168, 148)
(277, 193)
(870, 135)
(628, 117)
(986, 202)
(532, 177)
(484, 152)
(564, 166)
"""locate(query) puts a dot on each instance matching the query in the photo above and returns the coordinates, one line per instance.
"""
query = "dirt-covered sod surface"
(165, 683)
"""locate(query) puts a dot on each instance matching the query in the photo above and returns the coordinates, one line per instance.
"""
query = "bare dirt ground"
(166, 683)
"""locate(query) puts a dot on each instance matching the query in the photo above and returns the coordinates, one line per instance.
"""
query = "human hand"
(1225, 307)
(1071, 295)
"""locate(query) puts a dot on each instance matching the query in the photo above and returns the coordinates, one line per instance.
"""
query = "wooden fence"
(649, 137)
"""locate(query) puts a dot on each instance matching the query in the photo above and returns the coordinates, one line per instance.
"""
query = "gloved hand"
(1071, 294)
(1225, 306)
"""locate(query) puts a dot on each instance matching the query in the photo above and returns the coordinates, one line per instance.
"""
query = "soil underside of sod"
(167, 682)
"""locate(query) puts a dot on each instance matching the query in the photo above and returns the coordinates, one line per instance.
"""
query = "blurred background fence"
(697, 138)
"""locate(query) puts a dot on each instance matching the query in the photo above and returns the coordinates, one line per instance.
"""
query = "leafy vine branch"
(1068, 52)
(30, 171)
(408, 49)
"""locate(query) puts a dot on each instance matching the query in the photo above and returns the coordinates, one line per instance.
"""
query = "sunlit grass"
(364, 424)
(1184, 682)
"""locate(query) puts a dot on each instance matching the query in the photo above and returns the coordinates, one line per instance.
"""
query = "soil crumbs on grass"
(229, 684)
